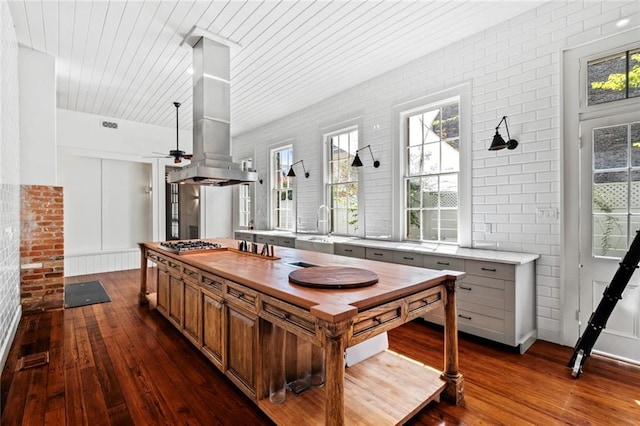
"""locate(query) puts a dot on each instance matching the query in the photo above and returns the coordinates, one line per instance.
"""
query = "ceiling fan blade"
(157, 156)
(156, 152)
(188, 156)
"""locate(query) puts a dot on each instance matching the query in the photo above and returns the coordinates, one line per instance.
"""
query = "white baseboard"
(13, 328)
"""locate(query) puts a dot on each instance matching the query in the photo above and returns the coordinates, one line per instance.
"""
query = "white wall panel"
(82, 181)
(126, 204)
(37, 118)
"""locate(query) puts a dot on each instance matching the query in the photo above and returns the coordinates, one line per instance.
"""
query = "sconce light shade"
(293, 174)
(357, 162)
(498, 142)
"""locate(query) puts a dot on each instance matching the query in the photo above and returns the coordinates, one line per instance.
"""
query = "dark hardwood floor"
(119, 364)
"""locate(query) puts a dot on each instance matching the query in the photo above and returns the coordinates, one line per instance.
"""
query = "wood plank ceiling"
(123, 59)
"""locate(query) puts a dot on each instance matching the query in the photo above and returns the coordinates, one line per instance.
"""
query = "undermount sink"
(321, 238)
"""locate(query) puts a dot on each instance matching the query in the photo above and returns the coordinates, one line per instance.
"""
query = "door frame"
(573, 113)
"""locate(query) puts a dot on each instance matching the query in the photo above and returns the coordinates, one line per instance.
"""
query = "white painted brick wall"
(514, 69)
(9, 183)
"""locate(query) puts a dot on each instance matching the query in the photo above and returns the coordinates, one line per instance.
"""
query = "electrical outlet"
(547, 215)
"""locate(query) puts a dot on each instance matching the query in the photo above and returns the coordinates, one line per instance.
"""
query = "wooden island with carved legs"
(228, 303)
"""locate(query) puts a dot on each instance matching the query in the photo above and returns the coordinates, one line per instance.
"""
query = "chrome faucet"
(325, 221)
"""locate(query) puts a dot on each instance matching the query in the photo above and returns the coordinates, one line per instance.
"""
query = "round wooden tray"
(335, 277)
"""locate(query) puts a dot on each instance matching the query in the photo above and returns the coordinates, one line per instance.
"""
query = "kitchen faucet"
(325, 221)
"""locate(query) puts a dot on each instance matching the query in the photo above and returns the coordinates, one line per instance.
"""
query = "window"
(342, 185)
(432, 172)
(613, 78)
(616, 188)
(245, 218)
(282, 206)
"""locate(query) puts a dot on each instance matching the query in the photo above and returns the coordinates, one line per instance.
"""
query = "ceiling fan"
(176, 154)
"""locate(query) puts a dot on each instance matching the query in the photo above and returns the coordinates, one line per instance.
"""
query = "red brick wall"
(41, 248)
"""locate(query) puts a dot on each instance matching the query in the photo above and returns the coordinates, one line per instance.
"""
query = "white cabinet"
(496, 301)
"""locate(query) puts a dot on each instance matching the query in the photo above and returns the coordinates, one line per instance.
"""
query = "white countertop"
(514, 258)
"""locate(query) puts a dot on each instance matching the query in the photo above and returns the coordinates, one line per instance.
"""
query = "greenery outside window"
(432, 173)
(342, 184)
(613, 77)
(282, 203)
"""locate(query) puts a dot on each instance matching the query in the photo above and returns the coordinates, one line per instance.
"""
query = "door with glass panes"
(609, 219)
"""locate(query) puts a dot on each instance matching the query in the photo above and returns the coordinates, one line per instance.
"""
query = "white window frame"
(461, 94)
(290, 189)
(328, 184)
(246, 191)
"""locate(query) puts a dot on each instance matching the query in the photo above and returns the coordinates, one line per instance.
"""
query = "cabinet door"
(213, 329)
(163, 293)
(176, 300)
(192, 315)
(242, 333)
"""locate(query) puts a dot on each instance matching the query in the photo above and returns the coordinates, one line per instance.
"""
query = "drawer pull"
(443, 263)
(464, 317)
(376, 320)
(348, 250)
(240, 294)
(378, 254)
(407, 258)
(465, 288)
(489, 269)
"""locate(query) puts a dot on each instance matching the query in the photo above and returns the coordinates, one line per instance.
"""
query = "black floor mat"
(84, 294)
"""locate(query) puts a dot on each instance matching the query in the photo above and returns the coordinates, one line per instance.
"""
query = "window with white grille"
(432, 173)
(342, 183)
(282, 203)
(245, 201)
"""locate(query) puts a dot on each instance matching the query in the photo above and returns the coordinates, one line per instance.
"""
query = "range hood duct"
(211, 163)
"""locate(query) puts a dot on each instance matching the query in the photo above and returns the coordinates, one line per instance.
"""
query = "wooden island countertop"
(257, 290)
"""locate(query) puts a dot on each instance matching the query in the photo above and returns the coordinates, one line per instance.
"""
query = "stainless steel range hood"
(211, 163)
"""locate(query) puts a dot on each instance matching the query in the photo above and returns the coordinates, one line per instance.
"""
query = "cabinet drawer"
(241, 296)
(261, 239)
(470, 290)
(190, 273)
(375, 321)
(289, 317)
(174, 267)
(405, 258)
(286, 242)
(382, 255)
(244, 236)
(347, 250)
(212, 283)
(491, 269)
(423, 302)
(442, 262)
(481, 325)
(271, 241)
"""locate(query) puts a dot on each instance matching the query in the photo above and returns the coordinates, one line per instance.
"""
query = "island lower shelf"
(386, 389)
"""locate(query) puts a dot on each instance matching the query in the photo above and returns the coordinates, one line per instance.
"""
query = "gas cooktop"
(189, 246)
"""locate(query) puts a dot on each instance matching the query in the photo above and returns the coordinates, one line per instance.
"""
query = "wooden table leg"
(454, 392)
(142, 296)
(335, 345)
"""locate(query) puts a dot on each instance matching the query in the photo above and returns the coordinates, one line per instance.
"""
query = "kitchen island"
(228, 303)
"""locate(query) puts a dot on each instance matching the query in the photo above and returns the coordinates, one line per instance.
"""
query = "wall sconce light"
(498, 142)
(293, 174)
(358, 163)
